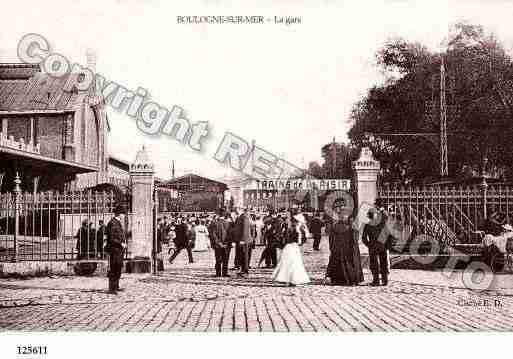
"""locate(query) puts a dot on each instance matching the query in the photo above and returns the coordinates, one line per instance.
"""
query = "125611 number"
(32, 350)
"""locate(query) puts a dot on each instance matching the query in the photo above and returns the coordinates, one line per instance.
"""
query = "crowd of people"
(282, 234)
(90, 241)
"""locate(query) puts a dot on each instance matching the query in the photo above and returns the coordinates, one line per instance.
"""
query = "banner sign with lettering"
(300, 184)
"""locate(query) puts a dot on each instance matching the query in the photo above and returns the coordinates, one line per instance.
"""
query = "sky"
(288, 88)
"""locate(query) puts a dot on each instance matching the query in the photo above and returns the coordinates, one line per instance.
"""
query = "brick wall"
(91, 150)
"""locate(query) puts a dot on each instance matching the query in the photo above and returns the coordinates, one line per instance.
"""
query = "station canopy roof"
(42, 164)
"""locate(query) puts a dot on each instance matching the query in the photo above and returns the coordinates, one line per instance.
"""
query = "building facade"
(191, 193)
(52, 134)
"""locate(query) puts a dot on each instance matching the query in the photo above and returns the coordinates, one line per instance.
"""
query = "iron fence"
(449, 215)
(52, 226)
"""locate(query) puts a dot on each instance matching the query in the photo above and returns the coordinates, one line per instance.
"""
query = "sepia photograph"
(275, 166)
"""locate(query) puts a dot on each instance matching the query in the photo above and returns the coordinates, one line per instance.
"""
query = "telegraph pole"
(444, 165)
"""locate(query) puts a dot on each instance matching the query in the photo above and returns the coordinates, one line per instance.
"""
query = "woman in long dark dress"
(344, 266)
(357, 260)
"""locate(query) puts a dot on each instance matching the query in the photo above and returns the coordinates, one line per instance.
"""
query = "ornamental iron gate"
(449, 215)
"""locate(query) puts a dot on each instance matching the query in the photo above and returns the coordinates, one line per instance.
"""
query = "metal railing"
(450, 215)
(52, 226)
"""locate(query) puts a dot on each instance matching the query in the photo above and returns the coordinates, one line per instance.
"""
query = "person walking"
(316, 229)
(252, 238)
(344, 266)
(266, 237)
(116, 243)
(376, 237)
(291, 269)
(259, 223)
(182, 241)
(164, 228)
(274, 232)
(201, 234)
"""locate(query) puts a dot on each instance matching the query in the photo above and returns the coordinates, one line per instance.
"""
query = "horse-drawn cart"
(494, 250)
(498, 251)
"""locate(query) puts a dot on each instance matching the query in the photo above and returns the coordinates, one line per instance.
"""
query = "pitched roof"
(118, 162)
(17, 71)
(41, 92)
(191, 178)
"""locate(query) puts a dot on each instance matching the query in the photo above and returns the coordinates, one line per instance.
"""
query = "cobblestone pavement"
(187, 297)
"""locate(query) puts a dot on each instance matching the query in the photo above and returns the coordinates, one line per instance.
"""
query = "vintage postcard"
(213, 166)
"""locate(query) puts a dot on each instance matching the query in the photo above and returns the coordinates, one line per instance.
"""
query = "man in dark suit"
(83, 239)
(182, 241)
(236, 238)
(272, 236)
(221, 243)
(100, 239)
(246, 234)
(115, 246)
(316, 228)
(377, 238)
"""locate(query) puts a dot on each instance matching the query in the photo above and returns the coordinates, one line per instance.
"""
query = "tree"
(315, 169)
(479, 99)
(337, 160)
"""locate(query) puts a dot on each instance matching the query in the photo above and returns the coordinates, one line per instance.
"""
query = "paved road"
(188, 298)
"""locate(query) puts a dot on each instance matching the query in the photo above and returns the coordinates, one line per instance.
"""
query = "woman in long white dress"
(259, 225)
(201, 240)
(291, 269)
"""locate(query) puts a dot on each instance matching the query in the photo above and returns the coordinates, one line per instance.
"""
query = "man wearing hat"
(221, 243)
(246, 236)
(376, 238)
(316, 229)
(115, 246)
(272, 239)
(182, 240)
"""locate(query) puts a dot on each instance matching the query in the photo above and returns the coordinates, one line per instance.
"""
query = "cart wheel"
(497, 262)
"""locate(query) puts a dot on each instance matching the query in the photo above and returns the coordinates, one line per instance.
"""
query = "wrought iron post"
(16, 199)
(2, 175)
(484, 186)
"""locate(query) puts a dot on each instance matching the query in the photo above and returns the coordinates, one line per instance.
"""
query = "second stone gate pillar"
(366, 169)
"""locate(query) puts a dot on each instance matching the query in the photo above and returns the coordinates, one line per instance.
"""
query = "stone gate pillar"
(141, 218)
(366, 169)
